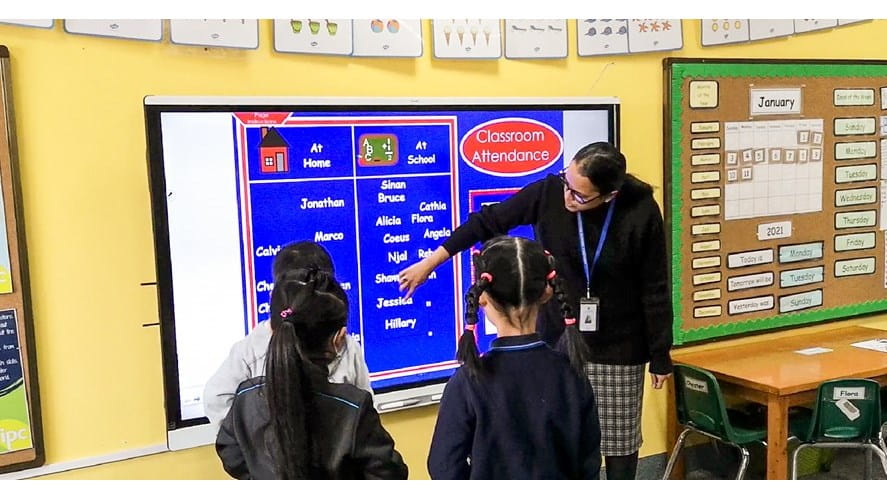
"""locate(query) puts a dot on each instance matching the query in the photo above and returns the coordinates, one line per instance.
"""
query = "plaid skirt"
(619, 393)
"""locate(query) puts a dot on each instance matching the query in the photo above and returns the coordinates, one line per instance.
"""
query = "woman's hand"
(413, 276)
(658, 380)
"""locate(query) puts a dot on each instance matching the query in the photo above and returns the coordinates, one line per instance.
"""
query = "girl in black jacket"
(293, 423)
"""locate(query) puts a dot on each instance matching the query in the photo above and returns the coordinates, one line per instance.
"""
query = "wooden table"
(769, 372)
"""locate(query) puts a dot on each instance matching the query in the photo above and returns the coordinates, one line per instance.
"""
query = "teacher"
(605, 230)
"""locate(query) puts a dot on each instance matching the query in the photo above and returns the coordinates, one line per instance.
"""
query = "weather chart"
(381, 190)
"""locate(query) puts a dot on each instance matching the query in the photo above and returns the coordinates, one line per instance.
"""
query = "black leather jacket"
(346, 434)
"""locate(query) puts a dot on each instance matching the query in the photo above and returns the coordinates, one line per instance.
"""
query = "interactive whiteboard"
(379, 182)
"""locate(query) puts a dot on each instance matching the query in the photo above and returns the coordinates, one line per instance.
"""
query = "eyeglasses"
(576, 195)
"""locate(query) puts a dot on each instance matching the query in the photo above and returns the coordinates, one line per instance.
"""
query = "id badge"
(589, 315)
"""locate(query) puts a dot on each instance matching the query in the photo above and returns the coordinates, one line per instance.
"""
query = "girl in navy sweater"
(522, 410)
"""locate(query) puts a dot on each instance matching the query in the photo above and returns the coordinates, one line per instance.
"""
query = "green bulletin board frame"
(678, 70)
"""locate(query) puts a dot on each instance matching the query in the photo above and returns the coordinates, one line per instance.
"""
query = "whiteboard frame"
(194, 435)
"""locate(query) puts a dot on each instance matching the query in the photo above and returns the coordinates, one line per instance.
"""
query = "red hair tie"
(569, 322)
(551, 275)
(487, 276)
(470, 327)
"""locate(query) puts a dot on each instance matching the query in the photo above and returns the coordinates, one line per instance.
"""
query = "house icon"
(273, 152)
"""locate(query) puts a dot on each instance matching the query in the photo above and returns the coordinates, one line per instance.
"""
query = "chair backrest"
(699, 401)
(884, 404)
(846, 409)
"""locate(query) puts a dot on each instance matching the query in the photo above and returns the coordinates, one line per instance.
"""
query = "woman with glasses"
(605, 230)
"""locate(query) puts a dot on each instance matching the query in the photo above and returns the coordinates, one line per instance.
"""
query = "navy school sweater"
(631, 278)
(528, 416)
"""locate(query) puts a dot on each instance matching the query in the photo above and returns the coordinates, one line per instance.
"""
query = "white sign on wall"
(136, 29)
(230, 33)
(313, 36)
(766, 101)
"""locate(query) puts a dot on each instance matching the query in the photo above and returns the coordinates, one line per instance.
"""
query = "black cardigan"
(631, 277)
(347, 437)
(528, 416)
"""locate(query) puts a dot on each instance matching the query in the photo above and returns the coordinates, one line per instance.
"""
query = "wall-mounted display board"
(776, 190)
(21, 439)
(378, 182)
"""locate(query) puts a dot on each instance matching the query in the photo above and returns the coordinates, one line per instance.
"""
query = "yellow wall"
(78, 103)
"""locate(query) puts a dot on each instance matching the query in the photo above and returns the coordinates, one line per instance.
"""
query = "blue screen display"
(382, 189)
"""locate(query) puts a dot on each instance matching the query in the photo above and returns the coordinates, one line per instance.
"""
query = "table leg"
(673, 429)
(777, 437)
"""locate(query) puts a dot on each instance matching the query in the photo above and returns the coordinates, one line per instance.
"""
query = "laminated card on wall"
(535, 38)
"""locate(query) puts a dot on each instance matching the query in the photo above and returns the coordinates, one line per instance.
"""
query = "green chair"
(882, 433)
(854, 426)
(701, 409)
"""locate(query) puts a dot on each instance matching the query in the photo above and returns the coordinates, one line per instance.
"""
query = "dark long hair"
(603, 165)
(308, 307)
(515, 272)
(301, 255)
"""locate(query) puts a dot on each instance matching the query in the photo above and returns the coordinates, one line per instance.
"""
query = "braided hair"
(515, 273)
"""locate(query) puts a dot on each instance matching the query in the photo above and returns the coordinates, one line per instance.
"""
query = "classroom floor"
(721, 463)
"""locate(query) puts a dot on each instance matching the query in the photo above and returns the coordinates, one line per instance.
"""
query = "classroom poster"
(15, 426)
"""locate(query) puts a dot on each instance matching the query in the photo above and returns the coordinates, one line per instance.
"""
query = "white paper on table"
(879, 345)
(814, 351)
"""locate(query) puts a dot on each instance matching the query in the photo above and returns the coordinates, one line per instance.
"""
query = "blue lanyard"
(600, 245)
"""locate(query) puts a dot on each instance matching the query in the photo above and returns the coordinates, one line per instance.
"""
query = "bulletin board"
(21, 439)
(775, 197)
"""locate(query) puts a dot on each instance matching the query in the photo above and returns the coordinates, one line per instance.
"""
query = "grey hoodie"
(247, 360)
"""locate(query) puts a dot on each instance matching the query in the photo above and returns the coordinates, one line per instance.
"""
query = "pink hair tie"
(569, 322)
(286, 313)
(470, 327)
(475, 251)
(487, 276)
(551, 275)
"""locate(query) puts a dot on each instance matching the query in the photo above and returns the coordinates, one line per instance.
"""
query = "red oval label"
(511, 147)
